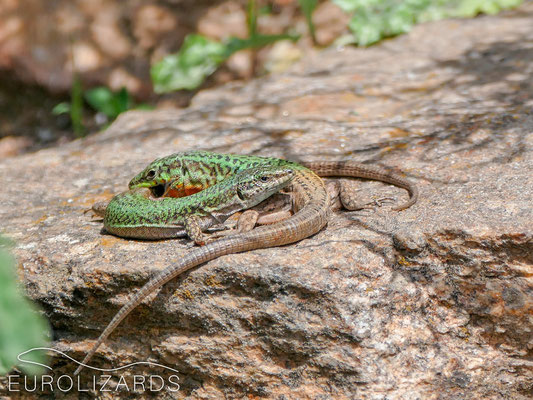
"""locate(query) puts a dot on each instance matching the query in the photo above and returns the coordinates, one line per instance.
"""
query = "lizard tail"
(358, 170)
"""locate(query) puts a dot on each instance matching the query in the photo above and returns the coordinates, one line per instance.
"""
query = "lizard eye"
(264, 179)
(150, 174)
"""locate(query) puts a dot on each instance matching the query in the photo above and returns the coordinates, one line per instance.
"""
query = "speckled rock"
(434, 302)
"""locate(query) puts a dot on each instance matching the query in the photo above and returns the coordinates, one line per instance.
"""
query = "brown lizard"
(311, 205)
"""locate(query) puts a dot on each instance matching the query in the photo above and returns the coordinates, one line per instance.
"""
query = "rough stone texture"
(434, 302)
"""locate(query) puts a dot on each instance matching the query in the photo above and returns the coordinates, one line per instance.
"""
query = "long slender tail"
(358, 170)
(190, 260)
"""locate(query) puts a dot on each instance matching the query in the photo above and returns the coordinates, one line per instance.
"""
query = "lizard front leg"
(275, 209)
(98, 208)
(246, 222)
(249, 219)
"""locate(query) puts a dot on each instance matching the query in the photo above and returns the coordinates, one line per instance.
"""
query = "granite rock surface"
(434, 302)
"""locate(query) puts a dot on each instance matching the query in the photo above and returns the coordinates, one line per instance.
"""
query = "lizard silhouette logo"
(100, 382)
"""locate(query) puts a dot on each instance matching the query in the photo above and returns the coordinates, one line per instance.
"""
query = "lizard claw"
(373, 205)
(381, 202)
(192, 245)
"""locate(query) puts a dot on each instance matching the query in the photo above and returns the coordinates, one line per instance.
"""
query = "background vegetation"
(22, 325)
(199, 56)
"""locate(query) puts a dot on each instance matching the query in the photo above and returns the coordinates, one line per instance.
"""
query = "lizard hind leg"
(194, 230)
(350, 199)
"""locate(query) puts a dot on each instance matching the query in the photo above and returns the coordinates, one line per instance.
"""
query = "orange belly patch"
(182, 191)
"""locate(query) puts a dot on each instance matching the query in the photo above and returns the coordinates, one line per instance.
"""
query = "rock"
(224, 20)
(330, 22)
(431, 302)
(12, 145)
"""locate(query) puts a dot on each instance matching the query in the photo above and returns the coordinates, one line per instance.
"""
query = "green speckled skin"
(135, 214)
(183, 174)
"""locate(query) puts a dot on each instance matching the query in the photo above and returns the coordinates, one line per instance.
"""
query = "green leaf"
(100, 99)
(22, 326)
(308, 6)
(122, 101)
(61, 108)
(111, 104)
(353, 5)
(348, 6)
(198, 58)
(472, 8)
(373, 20)
(235, 44)
(367, 28)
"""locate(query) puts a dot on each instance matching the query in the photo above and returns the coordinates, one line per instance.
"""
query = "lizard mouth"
(158, 190)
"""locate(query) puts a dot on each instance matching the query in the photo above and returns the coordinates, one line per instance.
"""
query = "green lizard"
(182, 174)
(310, 203)
(134, 214)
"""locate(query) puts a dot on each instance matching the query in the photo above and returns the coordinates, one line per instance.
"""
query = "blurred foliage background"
(69, 68)
(371, 21)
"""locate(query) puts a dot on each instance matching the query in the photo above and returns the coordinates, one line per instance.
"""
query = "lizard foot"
(371, 206)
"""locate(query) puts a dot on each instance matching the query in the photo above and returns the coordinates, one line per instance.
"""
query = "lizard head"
(257, 184)
(155, 176)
